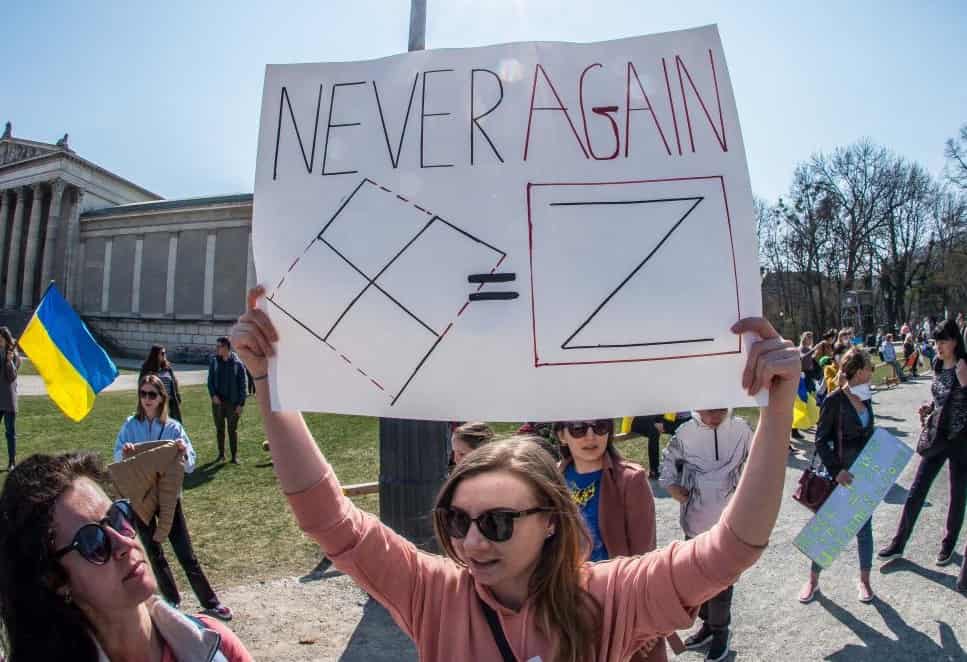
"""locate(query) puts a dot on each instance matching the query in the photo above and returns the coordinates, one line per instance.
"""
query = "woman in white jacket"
(701, 470)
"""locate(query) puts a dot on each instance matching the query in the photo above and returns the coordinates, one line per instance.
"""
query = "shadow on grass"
(910, 644)
(202, 474)
(377, 637)
(937, 577)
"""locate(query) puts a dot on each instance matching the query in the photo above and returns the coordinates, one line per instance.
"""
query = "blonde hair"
(563, 607)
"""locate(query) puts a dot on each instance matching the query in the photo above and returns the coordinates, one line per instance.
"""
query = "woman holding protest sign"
(74, 584)
(514, 583)
(845, 426)
(942, 439)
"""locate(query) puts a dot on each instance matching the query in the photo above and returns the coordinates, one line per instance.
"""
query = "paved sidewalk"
(187, 373)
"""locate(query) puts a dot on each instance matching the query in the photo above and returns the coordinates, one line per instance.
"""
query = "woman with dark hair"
(8, 392)
(74, 584)
(151, 423)
(612, 495)
(157, 363)
(514, 581)
(845, 426)
(943, 439)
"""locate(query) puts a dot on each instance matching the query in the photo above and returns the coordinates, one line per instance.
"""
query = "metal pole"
(417, 25)
(413, 455)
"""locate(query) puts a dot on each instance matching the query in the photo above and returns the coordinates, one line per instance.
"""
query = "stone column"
(72, 270)
(50, 239)
(208, 294)
(13, 263)
(33, 244)
(170, 275)
(4, 208)
(250, 275)
(136, 287)
(106, 275)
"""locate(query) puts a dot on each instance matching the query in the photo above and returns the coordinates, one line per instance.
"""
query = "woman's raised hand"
(254, 334)
(773, 362)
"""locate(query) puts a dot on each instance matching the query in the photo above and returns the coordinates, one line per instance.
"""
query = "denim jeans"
(897, 369)
(864, 547)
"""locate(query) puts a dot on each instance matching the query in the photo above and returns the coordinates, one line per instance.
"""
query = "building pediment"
(13, 150)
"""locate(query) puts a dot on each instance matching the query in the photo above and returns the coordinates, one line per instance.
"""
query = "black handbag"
(927, 442)
(814, 488)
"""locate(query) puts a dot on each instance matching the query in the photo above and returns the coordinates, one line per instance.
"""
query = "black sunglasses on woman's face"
(149, 395)
(580, 428)
(93, 542)
(496, 525)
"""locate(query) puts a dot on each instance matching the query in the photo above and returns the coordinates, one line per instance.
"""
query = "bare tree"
(901, 246)
(855, 178)
(956, 153)
(946, 282)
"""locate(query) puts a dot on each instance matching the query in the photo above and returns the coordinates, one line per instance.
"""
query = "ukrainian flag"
(74, 367)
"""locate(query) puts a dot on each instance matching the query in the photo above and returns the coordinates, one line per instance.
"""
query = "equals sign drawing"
(492, 278)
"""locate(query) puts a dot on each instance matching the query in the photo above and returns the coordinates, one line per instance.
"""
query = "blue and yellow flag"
(74, 367)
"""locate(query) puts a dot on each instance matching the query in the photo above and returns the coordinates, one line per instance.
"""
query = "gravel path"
(917, 615)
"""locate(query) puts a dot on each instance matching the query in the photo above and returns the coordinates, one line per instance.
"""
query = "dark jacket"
(838, 418)
(8, 382)
(226, 379)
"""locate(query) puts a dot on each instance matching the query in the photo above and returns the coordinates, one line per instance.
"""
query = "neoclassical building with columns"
(138, 268)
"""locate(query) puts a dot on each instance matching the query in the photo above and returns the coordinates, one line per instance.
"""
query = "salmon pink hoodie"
(436, 601)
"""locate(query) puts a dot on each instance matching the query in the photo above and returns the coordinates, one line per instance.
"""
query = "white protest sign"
(848, 508)
(531, 231)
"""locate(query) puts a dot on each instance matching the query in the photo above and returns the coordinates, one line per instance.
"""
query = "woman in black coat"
(157, 364)
(944, 439)
(845, 426)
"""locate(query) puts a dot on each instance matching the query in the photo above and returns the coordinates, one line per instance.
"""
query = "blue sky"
(168, 95)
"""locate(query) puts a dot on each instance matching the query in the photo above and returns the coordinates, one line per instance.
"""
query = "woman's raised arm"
(298, 462)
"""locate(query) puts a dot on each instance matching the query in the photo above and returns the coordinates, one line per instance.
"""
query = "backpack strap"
(498, 632)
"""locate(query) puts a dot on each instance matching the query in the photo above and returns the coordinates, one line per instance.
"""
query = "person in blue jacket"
(151, 423)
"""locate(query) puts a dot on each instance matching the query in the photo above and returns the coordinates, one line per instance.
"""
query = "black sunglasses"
(496, 525)
(149, 395)
(93, 542)
(580, 428)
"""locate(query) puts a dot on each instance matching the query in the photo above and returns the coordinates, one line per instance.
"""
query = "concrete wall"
(207, 288)
(190, 274)
(190, 342)
(231, 261)
(154, 273)
(122, 275)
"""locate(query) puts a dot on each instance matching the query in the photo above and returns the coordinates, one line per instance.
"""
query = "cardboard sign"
(848, 508)
(531, 231)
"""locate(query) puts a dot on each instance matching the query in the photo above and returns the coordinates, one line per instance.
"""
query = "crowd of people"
(524, 522)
